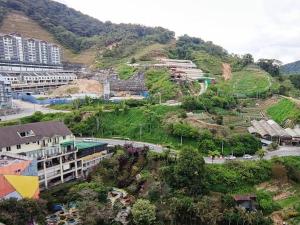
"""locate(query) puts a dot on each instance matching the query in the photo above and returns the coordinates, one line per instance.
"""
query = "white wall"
(35, 146)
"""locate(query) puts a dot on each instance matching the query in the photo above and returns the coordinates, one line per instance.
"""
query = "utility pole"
(141, 130)
(222, 147)
(159, 97)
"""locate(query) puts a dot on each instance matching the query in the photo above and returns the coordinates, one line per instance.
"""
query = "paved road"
(153, 147)
(283, 151)
(27, 109)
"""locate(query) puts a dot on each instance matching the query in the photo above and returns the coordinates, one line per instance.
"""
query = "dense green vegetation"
(158, 82)
(180, 189)
(78, 31)
(207, 56)
(25, 211)
(210, 102)
(171, 189)
(207, 62)
(283, 110)
(125, 71)
(271, 66)
(295, 79)
(186, 45)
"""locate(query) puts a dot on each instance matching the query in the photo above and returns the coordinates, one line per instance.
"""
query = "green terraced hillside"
(249, 82)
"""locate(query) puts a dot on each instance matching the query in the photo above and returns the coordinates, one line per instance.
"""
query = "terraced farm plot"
(283, 110)
(249, 82)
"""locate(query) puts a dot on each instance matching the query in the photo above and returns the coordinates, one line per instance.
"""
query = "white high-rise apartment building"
(8, 48)
(16, 49)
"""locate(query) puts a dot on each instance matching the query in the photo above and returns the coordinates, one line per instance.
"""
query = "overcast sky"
(264, 28)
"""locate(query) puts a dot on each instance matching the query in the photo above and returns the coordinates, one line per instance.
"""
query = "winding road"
(281, 152)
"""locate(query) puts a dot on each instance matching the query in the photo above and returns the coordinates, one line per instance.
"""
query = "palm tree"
(213, 155)
(261, 153)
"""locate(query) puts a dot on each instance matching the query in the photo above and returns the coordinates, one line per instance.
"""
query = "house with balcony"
(60, 157)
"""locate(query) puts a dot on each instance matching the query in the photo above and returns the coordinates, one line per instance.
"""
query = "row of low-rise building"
(15, 48)
(37, 81)
(60, 158)
(271, 131)
(181, 69)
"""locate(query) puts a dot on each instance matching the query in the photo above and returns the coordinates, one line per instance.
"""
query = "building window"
(8, 149)
(26, 133)
(64, 137)
(18, 146)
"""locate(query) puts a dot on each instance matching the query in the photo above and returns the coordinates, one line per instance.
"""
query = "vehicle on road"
(248, 157)
(230, 157)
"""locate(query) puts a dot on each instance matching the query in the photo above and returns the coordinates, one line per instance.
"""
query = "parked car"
(247, 157)
(230, 157)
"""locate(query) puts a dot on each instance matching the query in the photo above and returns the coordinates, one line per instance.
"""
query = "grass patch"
(208, 63)
(158, 81)
(125, 71)
(249, 82)
(135, 125)
(283, 110)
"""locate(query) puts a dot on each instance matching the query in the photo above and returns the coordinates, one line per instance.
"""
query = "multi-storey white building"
(15, 48)
(59, 157)
(8, 51)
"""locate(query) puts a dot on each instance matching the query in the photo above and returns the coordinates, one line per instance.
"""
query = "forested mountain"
(291, 68)
(113, 43)
(78, 31)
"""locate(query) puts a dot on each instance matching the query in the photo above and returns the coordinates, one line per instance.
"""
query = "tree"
(247, 59)
(143, 212)
(189, 172)
(184, 130)
(261, 153)
(207, 145)
(280, 173)
(132, 60)
(25, 211)
(272, 66)
(213, 155)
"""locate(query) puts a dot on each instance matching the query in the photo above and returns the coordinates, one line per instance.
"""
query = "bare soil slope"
(79, 86)
(18, 22)
(226, 70)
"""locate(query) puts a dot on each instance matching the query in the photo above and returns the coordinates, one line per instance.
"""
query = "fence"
(51, 101)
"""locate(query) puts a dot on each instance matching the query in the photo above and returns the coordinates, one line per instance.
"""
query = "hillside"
(290, 68)
(78, 31)
(250, 82)
(284, 110)
(18, 22)
(104, 44)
